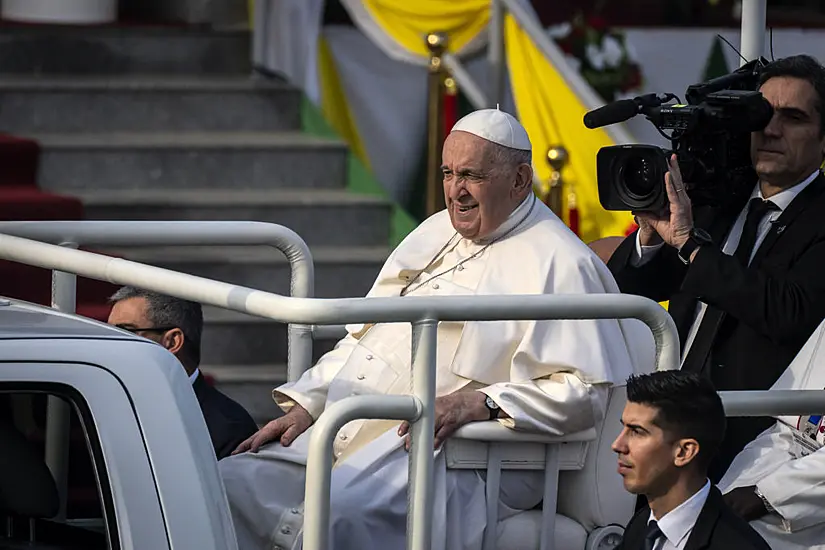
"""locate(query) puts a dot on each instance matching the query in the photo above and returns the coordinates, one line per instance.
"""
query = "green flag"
(716, 65)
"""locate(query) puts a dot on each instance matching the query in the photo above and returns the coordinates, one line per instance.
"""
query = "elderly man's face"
(479, 194)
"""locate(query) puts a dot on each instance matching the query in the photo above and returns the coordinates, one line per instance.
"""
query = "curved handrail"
(350, 310)
(423, 312)
(193, 233)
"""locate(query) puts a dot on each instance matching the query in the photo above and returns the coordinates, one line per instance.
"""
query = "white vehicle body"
(156, 471)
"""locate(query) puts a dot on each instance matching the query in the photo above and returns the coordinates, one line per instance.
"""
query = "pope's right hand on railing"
(287, 428)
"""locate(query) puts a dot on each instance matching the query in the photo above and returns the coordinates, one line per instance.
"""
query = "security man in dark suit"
(177, 325)
(673, 423)
(745, 284)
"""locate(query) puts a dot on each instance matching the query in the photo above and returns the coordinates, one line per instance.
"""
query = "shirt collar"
(784, 197)
(677, 523)
(515, 218)
(194, 375)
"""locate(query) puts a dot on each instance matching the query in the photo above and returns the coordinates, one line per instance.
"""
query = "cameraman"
(746, 286)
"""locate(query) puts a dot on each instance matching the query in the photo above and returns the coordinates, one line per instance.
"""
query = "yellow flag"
(552, 114)
(409, 21)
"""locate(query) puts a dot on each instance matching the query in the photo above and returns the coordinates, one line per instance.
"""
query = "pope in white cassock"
(544, 376)
(786, 465)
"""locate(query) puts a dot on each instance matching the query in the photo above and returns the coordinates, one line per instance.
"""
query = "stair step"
(318, 216)
(67, 50)
(249, 385)
(340, 272)
(234, 338)
(219, 160)
(147, 103)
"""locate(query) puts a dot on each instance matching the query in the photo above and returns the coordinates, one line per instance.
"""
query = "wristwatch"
(696, 238)
(493, 406)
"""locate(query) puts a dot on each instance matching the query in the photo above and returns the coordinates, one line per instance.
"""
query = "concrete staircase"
(168, 124)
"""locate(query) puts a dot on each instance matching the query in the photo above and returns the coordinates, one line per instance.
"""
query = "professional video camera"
(710, 136)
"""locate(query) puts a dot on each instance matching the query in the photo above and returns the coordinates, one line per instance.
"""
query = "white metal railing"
(186, 233)
(424, 313)
(73, 234)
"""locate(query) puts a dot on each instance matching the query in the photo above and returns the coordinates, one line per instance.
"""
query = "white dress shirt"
(194, 375)
(677, 525)
(781, 200)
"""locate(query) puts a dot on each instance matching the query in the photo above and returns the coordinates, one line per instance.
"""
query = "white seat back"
(594, 496)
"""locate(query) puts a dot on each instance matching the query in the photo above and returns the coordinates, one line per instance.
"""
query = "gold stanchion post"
(557, 159)
(437, 44)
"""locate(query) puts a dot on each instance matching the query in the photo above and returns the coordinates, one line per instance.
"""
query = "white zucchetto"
(496, 126)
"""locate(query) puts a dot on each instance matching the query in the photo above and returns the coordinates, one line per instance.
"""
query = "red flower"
(633, 79)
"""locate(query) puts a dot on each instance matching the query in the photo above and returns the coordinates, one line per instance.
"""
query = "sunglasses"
(135, 330)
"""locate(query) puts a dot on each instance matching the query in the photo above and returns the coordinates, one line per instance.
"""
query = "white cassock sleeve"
(310, 391)
(557, 405)
(562, 370)
(796, 489)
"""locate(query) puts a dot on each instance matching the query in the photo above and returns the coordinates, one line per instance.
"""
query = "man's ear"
(524, 178)
(686, 451)
(173, 340)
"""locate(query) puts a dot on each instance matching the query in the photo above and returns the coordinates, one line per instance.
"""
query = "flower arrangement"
(601, 54)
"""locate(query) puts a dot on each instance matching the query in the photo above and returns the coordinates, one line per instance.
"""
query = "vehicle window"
(29, 495)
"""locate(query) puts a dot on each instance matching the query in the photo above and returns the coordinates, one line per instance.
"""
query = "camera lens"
(637, 176)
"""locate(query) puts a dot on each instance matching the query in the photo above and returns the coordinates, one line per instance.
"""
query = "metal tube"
(465, 82)
(185, 233)
(495, 54)
(260, 23)
(752, 39)
(58, 410)
(352, 310)
(527, 19)
(319, 458)
(421, 473)
(773, 402)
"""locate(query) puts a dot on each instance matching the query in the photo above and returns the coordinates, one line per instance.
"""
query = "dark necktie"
(757, 208)
(712, 320)
(652, 535)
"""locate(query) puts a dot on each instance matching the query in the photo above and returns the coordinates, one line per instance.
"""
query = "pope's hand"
(674, 224)
(452, 412)
(288, 427)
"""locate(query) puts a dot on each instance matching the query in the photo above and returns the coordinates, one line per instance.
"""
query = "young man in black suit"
(673, 425)
(177, 325)
(744, 282)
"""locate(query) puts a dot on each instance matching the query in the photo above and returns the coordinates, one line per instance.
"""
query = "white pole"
(752, 42)
(59, 411)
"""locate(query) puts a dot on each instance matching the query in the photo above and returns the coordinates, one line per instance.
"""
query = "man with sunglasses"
(177, 325)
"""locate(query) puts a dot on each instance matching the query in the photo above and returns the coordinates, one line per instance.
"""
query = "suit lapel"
(700, 537)
(634, 534)
(797, 206)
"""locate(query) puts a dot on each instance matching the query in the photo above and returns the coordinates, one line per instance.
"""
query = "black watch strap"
(697, 238)
(492, 406)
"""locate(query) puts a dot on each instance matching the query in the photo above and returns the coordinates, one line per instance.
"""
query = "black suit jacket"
(716, 528)
(771, 307)
(228, 422)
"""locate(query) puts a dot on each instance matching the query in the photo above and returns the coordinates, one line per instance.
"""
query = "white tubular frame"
(73, 234)
(423, 312)
(186, 233)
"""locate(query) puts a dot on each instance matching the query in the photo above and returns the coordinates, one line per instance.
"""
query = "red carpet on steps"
(22, 200)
